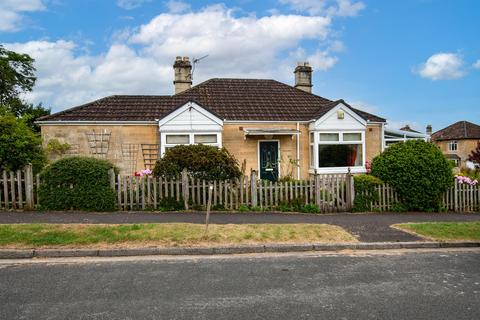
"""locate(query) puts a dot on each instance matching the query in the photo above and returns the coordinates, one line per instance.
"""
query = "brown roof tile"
(458, 130)
(231, 99)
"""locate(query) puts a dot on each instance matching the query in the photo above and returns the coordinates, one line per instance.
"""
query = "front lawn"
(444, 230)
(169, 234)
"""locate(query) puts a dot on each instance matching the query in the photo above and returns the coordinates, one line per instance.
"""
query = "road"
(441, 284)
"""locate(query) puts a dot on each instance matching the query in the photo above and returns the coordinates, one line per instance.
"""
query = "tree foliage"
(365, 192)
(77, 183)
(19, 145)
(417, 170)
(201, 161)
(17, 76)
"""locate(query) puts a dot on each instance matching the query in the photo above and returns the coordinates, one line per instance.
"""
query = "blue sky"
(411, 61)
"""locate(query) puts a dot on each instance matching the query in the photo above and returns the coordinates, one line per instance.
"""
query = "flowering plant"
(466, 180)
(368, 166)
(144, 172)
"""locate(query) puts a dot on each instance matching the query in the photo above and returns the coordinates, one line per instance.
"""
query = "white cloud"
(130, 4)
(11, 12)
(442, 66)
(342, 8)
(476, 65)
(177, 6)
(140, 59)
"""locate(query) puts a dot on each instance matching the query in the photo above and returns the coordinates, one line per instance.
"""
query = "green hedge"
(77, 183)
(418, 171)
(201, 161)
(365, 192)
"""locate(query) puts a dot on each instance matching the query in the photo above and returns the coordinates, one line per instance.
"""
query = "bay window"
(337, 151)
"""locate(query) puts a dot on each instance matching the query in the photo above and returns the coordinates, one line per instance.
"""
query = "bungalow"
(457, 141)
(276, 129)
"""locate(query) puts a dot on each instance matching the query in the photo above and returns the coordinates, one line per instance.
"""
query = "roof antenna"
(195, 61)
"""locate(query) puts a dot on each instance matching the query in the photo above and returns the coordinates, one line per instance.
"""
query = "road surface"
(439, 284)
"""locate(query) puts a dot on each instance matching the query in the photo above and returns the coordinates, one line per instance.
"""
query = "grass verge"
(444, 230)
(169, 234)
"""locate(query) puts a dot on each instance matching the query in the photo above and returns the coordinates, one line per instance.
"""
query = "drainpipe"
(298, 150)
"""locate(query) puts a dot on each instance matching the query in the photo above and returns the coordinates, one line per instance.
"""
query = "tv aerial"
(195, 61)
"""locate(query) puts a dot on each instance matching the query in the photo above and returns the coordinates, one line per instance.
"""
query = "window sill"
(358, 169)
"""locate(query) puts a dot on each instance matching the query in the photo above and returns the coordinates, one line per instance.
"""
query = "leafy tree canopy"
(17, 76)
(19, 145)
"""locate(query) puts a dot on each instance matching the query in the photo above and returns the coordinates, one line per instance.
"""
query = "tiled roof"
(231, 99)
(407, 128)
(458, 130)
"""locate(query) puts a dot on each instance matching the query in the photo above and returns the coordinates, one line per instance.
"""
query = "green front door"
(268, 160)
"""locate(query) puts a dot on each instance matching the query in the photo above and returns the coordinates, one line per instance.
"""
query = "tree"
(19, 145)
(201, 162)
(475, 155)
(17, 76)
(417, 170)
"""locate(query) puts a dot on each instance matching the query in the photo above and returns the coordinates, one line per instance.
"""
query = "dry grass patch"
(169, 234)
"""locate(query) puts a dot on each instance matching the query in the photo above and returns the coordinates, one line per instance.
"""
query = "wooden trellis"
(150, 154)
(130, 156)
(99, 143)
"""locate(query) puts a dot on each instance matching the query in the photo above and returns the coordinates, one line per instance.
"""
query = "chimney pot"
(303, 77)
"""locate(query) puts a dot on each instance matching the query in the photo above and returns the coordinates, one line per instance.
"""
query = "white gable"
(190, 117)
(332, 121)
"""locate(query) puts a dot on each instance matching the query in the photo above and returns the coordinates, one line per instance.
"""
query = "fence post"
(455, 196)
(111, 176)
(29, 186)
(253, 188)
(185, 188)
(350, 190)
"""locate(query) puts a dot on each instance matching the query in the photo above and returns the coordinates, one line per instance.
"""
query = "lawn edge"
(267, 248)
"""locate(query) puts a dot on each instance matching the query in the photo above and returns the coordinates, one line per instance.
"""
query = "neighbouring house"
(457, 141)
(273, 128)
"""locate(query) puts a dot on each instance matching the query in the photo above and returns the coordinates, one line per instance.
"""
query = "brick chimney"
(303, 77)
(183, 74)
(429, 130)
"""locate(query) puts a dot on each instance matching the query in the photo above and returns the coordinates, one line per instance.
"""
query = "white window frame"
(191, 135)
(453, 146)
(354, 169)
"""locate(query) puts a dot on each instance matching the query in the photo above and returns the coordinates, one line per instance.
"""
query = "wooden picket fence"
(458, 198)
(331, 193)
(17, 189)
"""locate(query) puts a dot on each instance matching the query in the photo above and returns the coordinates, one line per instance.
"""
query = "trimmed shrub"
(365, 192)
(418, 171)
(77, 183)
(201, 161)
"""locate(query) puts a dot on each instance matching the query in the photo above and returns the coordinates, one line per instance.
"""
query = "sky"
(413, 62)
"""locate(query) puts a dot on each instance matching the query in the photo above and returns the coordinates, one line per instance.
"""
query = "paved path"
(415, 285)
(373, 227)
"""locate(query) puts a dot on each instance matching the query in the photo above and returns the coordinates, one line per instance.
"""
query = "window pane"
(352, 137)
(311, 137)
(328, 136)
(339, 155)
(178, 139)
(205, 138)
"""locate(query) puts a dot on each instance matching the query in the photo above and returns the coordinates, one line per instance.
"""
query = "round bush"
(418, 171)
(77, 183)
(201, 161)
